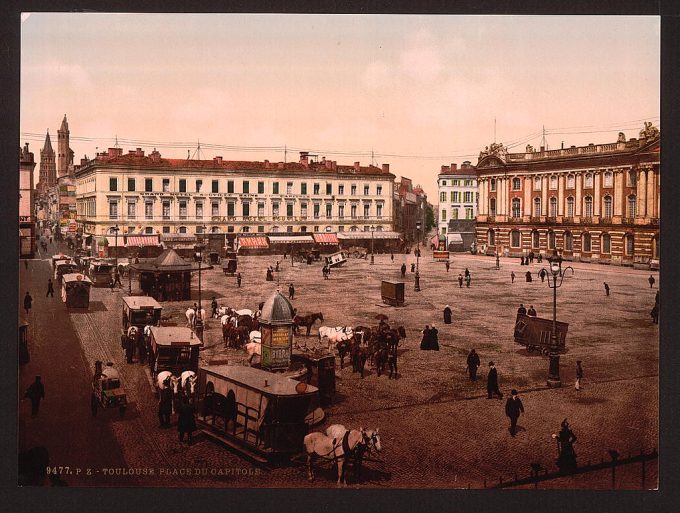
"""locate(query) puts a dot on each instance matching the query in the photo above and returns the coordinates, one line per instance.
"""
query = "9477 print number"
(67, 471)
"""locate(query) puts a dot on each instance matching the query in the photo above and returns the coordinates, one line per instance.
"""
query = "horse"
(224, 311)
(344, 347)
(248, 321)
(391, 337)
(370, 441)
(320, 445)
(191, 317)
(254, 347)
(335, 335)
(307, 321)
(380, 358)
(359, 355)
(187, 384)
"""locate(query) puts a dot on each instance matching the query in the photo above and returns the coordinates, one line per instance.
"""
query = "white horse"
(244, 311)
(320, 445)
(371, 437)
(335, 335)
(224, 310)
(188, 381)
(132, 332)
(254, 347)
(165, 380)
(191, 317)
(147, 330)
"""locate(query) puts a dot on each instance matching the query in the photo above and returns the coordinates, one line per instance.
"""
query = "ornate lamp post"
(417, 283)
(199, 248)
(372, 257)
(557, 272)
(115, 251)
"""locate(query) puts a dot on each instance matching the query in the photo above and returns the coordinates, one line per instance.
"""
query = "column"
(502, 195)
(483, 208)
(579, 194)
(544, 196)
(650, 193)
(597, 201)
(641, 193)
(527, 184)
(560, 195)
(618, 192)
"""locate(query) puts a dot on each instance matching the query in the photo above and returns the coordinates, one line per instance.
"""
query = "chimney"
(155, 155)
(304, 158)
(445, 169)
(386, 168)
(454, 167)
(357, 167)
(218, 159)
(139, 152)
(266, 164)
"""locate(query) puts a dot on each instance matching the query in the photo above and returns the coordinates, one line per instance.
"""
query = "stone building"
(409, 211)
(48, 167)
(64, 152)
(26, 203)
(595, 203)
(458, 199)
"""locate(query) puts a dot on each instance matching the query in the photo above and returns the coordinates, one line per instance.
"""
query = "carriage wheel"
(545, 351)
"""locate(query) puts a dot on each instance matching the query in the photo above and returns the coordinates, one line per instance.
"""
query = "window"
(535, 239)
(148, 230)
(316, 228)
(230, 229)
(571, 182)
(516, 207)
(303, 209)
(214, 209)
(246, 209)
(113, 210)
(182, 185)
(537, 183)
(353, 190)
(443, 182)
(516, 184)
(588, 182)
(632, 204)
(608, 179)
(113, 184)
(275, 188)
(289, 187)
(131, 184)
(551, 240)
(289, 209)
(468, 183)
(166, 210)
(514, 239)
(275, 208)
(553, 207)
(492, 206)
(260, 187)
(182, 229)
(568, 241)
(588, 206)
(341, 211)
(230, 186)
(132, 209)
(454, 213)
(316, 188)
(166, 229)
(260, 209)
(378, 190)
(366, 190)
(148, 184)
(443, 215)
(199, 185)
(442, 197)
(570, 207)
(231, 208)
(493, 184)
(303, 229)
(491, 238)
(606, 243)
(245, 229)
(148, 209)
(586, 243)
(166, 184)
(537, 207)
(378, 208)
(199, 210)
(468, 213)
(303, 188)
(246, 187)
(468, 197)
(553, 183)
(182, 209)
(353, 211)
(289, 229)
(260, 229)
(329, 210)
(632, 178)
(317, 207)
(456, 197)
(367, 208)
(607, 207)
(341, 190)
(329, 189)
(215, 186)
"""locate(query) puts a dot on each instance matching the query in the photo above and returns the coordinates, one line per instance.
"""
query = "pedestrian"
(531, 257)
(141, 348)
(413, 267)
(28, 302)
(512, 277)
(521, 261)
(129, 346)
(50, 288)
(540, 258)
(238, 280)
(542, 274)
(284, 255)
(116, 275)
(651, 281)
(521, 310)
(392, 256)
(447, 314)
(35, 392)
(467, 281)
(112, 283)
(579, 375)
(447, 266)
(403, 270)
(467, 272)
(460, 280)
(606, 288)
(186, 422)
(434, 335)
(473, 363)
(214, 306)
(655, 313)
(392, 361)
(291, 292)
(531, 312)
(94, 404)
(426, 341)
(492, 382)
(566, 460)
(277, 266)
(528, 276)
(513, 409)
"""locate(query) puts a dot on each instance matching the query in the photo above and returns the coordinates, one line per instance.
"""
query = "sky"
(416, 92)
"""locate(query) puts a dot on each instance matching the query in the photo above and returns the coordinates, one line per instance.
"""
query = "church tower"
(48, 168)
(64, 153)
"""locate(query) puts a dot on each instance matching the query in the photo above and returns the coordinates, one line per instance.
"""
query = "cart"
(213, 258)
(229, 266)
(336, 259)
(75, 290)
(320, 367)
(59, 257)
(535, 333)
(100, 272)
(173, 349)
(140, 312)
(63, 267)
(392, 292)
(107, 391)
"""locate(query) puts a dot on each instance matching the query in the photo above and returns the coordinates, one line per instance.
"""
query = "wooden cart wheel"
(545, 351)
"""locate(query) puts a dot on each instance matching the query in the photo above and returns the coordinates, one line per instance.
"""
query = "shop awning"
(253, 242)
(142, 240)
(456, 238)
(326, 238)
(367, 235)
(290, 239)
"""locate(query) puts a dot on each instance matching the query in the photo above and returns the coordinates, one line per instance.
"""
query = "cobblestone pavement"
(438, 428)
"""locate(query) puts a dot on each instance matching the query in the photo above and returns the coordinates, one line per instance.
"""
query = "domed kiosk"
(276, 326)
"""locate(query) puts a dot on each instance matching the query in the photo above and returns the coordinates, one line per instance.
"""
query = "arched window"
(632, 206)
(329, 229)
(111, 231)
(537, 207)
(629, 241)
(607, 206)
(568, 241)
(535, 239)
(553, 207)
(491, 238)
(492, 206)
(588, 182)
(199, 229)
(586, 243)
(588, 206)
(516, 207)
(570, 207)
(514, 239)
(516, 184)
(551, 239)
(354, 229)
(608, 179)
(606, 244)
(182, 229)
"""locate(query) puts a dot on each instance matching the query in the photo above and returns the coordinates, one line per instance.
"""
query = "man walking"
(473, 364)
(531, 312)
(606, 288)
(116, 276)
(28, 302)
(291, 292)
(213, 307)
(528, 276)
(447, 266)
(403, 270)
(467, 280)
(542, 274)
(513, 409)
(238, 280)
(35, 392)
(651, 281)
(50, 288)
(579, 375)
(512, 277)
(492, 382)
(460, 280)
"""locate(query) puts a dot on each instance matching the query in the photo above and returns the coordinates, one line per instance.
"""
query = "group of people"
(529, 259)
(430, 340)
(326, 271)
(531, 312)
(467, 278)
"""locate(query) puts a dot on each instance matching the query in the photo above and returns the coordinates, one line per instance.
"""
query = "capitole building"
(594, 203)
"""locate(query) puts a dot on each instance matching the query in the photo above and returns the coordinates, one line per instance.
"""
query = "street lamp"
(199, 248)
(372, 258)
(557, 272)
(417, 284)
(115, 251)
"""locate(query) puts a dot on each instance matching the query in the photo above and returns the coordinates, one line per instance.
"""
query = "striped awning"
(253, 242)
(326, 238)
(142, 240)
(290, 239)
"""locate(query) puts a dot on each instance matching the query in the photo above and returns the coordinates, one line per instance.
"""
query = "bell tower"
(64, 153)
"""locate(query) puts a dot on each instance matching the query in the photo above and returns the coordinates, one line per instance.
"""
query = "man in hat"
(542, 275)
(448, 265)
(531, 312)
(512, 277)
(238, 280)
(528, 276)
(291, 291)
(213, 306)
(513, 409)
(492, 382)
(606, 288)
(403, 270)
(460, 280)
(473, 363)
(35, 392)
(651, 281)
(521, 310)
(447, 314)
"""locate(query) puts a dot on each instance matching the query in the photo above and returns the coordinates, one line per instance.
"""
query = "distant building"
(64, 152)
(595, 203)
(458, 198)
(26, 203)
(48, 166)
(409, 211)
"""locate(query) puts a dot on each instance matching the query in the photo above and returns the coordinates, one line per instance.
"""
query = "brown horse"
(391, 337)
(344, 348)
(307, 321)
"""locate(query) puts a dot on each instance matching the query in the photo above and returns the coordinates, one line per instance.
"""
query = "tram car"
(259, 413)
(392, 292)
(174, 349)
(63, 267)
(59, 257)
(107, 391)
(75, 290)
(320, 367)
(535, 333)
(100, 272)
(336, 259)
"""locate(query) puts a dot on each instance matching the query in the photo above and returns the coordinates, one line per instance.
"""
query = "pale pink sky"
(419, 91)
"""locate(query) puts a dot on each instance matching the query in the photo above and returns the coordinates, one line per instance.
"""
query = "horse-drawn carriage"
(392, 292)
(336, 259)
(75, 290)
(107, 391)
(358, 252)
(139, 312)
(173, 349)
(101, 271)
(261, 413)
(63, 267)
(213, 258)
(535, 333)
(60, 257)
(230, 263)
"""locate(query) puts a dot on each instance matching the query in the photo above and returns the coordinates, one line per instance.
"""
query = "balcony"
(586, 220)
(628, 220)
